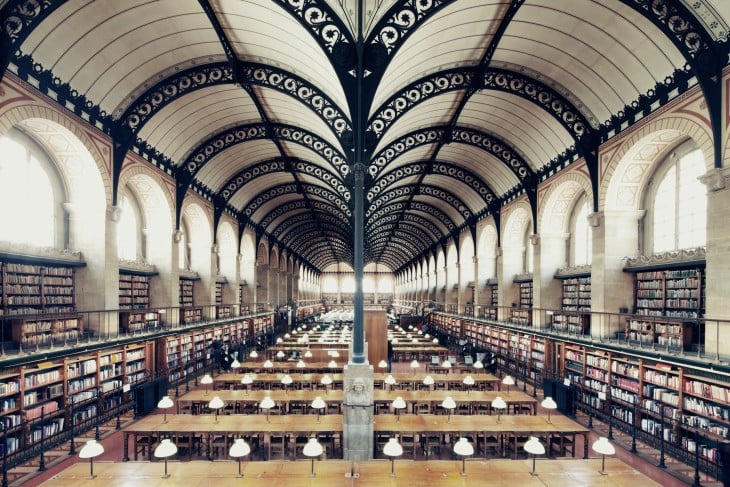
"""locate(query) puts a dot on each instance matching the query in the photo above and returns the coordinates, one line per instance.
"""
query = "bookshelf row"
(134, 291)
(518, 353)
(670, 403)
(39, 400)
(684, 406)
(31, 288)
(185, 354)
(672, 293)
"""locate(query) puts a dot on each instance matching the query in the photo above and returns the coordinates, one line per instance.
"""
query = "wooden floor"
(642, 468)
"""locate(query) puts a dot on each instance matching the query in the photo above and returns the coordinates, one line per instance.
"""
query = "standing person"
(390, 354)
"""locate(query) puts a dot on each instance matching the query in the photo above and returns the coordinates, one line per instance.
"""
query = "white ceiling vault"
(454, 107)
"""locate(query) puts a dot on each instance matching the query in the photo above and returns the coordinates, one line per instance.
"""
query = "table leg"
(126, 447)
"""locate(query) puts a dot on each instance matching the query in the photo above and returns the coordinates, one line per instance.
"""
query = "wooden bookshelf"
(132, 321)
(134, 291)
(42, 399)
(42, 331)
(672, 293)
(30, 288)
(191, 315)
(671, 334)
(219, 293)
(186, 293)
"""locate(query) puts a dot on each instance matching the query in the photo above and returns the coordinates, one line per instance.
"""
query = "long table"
(153, 427)
(298, 401)
(560, 431)
(304, 377)
(337, 473)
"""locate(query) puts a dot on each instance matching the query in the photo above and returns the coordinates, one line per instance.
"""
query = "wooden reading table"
(336, 473)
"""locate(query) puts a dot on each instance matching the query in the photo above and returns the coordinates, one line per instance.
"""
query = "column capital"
(595, 219)
(716, 178)
(177, 236)
(113, 212)
(535, 239)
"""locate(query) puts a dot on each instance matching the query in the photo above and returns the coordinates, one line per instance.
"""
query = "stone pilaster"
(358, 413)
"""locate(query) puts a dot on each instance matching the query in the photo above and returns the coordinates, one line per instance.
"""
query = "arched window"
(581, 243)
(129, 236)
(678, 202)
(30, 194)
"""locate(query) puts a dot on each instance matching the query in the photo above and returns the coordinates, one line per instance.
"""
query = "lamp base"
(392, 474)
(91, 477)
(603, 472)
(534, 474)
(165, 476)
(463, 474)
(239, 476)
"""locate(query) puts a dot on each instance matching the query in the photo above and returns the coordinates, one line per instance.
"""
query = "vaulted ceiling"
(452, 107)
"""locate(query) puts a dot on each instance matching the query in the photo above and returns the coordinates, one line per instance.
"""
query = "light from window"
(329, 285)
(680, 206)
(127, 231)
(583, 243)
(26, 197)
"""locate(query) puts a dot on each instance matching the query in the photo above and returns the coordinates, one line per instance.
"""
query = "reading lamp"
(267, 403)
(448, 404)
(318, 404)
(478, 364)
(312, 449)
(326, 380)
(414, 366)
(165, 449)
(393, 449)
(246, 380)
(508, 381)
(428, 381)
(465, 449)
(253, 354)
(91, 449)
(390, 381)
(398, 404)
(286, 380)
(549, 404)
(207, 379)
(468, 382)
(382, 364)
(535, 448)
(216, 404)
(165, 404)
(239, 449)
(499, 404)
(603, 447)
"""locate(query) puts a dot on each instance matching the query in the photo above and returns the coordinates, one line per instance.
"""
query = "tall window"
(27, 197)
(582, 244)
(679, 208)
(128, 230)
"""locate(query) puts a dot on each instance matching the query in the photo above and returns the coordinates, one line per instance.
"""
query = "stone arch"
(50, 126)
(559, 200)
(627, 167)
